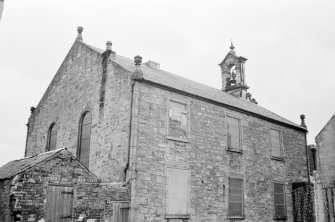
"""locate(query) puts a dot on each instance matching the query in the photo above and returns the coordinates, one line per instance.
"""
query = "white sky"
(290, 46)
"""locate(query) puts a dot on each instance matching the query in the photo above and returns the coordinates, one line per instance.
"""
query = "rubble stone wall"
(205, 154)
(5, 213)
(91, 199)
(325, 147)
(75, 89)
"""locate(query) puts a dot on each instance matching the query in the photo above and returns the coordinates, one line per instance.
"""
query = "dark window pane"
(124, 214)
(275, 143)
(280, 211)
(52, 136)
(235, 197)
(177, 120)
(86, 130)
(278, 188)
(229, 145)
(233, 131)
(279, 200)
(235, 183)
(87, 119)
(235, 209)
(85, 136)
(177, 106)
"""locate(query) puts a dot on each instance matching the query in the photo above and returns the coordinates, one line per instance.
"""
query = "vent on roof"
(152, 64)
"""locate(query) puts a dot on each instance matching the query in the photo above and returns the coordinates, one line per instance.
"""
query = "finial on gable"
(138, 60)
(108, 45)
(303, 124)
(32, 109)
(137, 74)
(232, 47)
(80, 30)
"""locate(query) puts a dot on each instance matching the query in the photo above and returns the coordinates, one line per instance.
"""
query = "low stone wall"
(4, 200)
(95, 201)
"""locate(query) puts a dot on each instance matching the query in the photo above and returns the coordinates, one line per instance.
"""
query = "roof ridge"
(198, 88)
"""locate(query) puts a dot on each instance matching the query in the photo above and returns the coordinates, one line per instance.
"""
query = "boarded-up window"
(235, 197)
(85, 139)
(279, 200)
(233, 133)
(177, 191)
(275, 143)
(52, 137)
(177, 120)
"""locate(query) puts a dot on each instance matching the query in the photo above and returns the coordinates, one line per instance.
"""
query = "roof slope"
(177, 82)
(15, 167)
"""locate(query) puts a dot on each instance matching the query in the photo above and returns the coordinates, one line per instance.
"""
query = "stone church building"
(187, 151)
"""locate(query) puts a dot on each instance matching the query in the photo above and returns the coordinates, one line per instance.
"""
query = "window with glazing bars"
(279, 201)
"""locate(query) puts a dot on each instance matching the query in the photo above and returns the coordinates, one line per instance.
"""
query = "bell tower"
(233, 75)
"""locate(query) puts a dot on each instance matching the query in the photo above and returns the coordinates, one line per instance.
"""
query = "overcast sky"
(290, 46)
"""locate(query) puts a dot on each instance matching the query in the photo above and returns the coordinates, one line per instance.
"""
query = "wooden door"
(121, 211)
(59, 203)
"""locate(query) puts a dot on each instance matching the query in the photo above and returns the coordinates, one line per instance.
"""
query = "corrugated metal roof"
(177, 82)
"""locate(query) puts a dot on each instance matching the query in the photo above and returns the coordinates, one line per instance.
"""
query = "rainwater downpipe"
(303, 124)
(130, 129)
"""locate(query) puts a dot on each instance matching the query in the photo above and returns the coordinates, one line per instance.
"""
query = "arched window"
(52, 136)
(84, 139)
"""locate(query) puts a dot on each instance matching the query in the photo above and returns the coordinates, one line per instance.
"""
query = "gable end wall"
(76, 89)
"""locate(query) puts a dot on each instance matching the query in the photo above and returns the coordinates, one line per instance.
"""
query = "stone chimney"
(303, 124)
(152, 64)
(109, 52)
(80, 31)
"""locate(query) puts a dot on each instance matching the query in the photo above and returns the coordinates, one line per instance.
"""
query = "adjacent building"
(187, 151)
(1, 7)
(325, 173)
(54, 186)
(325, 146)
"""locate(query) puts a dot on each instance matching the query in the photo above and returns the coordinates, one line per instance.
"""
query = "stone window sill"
(177, 216)
(277, 158)
(234, 150)
(178, 139)
(280, 218)
(236, 217)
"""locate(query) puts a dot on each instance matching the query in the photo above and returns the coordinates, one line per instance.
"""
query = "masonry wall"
(5, 213)
(95, 201)
(325, 146)
(206, 156)
(81, 84)
(91, 199)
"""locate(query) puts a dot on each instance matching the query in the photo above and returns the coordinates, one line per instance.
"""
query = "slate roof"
(177, 82)
(15, 167)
